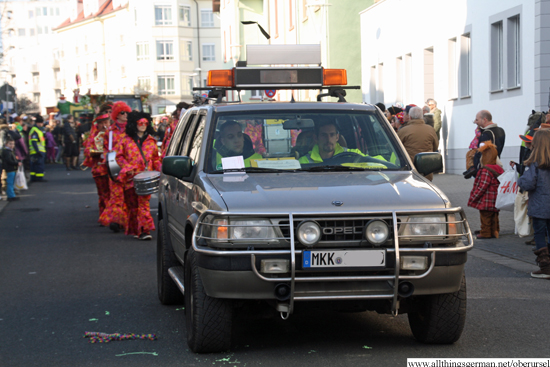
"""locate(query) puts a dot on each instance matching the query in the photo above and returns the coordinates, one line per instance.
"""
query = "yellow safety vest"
(41, 141)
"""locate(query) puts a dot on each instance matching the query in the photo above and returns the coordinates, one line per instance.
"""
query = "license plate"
(344, 259)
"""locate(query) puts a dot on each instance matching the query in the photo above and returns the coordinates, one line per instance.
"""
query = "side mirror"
(427, 163)
(177, 166)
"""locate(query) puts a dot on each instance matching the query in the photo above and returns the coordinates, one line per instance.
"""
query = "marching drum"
(146, 183)
(112, 165)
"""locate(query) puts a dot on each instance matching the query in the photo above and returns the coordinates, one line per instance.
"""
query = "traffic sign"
(270, 93)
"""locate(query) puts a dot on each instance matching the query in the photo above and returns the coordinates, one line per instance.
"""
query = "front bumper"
(235, 274)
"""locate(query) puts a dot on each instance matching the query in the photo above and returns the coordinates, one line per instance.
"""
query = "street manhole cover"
(27, 210)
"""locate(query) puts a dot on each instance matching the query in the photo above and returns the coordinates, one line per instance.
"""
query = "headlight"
(376, 232)
(252, 229)
(309, 233)
(425, 225)
(232, 229)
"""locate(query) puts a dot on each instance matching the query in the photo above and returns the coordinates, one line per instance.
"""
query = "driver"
(234, 143)
(327, 146)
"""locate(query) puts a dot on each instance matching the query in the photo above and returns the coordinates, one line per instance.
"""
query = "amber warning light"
(335, 77)
(220, 78)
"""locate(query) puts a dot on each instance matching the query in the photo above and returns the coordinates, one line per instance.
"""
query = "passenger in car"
(233, 142)
(327, 135)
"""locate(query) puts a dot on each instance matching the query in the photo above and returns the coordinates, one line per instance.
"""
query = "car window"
(196, 140)
(307, 140)
(176, 143)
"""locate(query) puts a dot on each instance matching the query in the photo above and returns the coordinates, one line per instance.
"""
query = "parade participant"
(70, 140)
(172, 124)
(64, 106)
(138, 152)
(115, 214)
(37, 150)
(93, 158)
(536, 181)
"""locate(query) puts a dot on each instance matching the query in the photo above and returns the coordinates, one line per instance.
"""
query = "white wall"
(419, 24)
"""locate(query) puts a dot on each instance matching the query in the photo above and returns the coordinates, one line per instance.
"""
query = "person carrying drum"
(137, 152)
(115, 214)
(93, 158)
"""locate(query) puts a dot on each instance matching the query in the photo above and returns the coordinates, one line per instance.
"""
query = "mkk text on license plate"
(344, 258)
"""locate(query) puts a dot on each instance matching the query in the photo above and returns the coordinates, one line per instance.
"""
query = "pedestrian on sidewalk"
(536, 181)
(10, 164)
(484, 193)
(50, 145)
(71, 142)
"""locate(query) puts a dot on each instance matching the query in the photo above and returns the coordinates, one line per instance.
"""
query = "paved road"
(61, 275)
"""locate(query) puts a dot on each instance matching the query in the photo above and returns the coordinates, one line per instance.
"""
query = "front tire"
(169, 293)
(208, 319)
(439, 318)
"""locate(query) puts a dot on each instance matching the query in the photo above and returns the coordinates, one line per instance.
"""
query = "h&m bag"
(507, 190)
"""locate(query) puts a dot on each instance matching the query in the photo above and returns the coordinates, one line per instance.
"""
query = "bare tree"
(25, 105)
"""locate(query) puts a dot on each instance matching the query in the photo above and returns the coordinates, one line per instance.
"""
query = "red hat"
(408, 108)
(118, 107)
(526, 138)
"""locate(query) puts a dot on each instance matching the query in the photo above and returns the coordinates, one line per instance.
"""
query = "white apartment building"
(30, 60)
(161, 48)
(468, 55)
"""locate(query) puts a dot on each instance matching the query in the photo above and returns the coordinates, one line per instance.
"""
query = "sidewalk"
(455, 187)
(508, 244)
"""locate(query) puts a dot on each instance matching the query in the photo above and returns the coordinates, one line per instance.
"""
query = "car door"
(171, 184)
(184, 196)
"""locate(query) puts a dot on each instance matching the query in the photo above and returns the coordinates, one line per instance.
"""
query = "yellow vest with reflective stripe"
(41, 141)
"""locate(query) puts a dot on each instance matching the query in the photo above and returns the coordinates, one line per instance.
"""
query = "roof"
(104, 9)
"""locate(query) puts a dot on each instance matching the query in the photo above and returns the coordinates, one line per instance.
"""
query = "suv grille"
(337, 229)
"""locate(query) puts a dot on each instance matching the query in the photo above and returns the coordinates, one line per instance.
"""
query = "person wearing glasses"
(115, 215)
(137, 152)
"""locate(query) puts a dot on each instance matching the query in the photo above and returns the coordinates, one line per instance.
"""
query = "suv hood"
(315, 192)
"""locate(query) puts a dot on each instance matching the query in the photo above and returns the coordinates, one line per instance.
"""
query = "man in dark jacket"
(71, 142)
(489, 132)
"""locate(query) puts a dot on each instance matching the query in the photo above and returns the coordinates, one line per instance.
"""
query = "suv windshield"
(308, 140)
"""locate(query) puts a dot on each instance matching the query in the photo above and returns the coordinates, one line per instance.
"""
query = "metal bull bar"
(396, 277)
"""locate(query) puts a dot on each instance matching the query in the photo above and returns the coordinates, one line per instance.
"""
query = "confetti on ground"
(96, 337)
(96, 320)
(127, 354)
(312, 351)
(107, 313)
(179, 309)
(366, 347)
(227, 359)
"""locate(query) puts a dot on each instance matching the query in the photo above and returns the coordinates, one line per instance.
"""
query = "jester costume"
(132, 162)
(115, 214)
(96, 162)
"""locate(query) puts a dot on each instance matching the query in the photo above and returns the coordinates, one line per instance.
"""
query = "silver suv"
(305, 201)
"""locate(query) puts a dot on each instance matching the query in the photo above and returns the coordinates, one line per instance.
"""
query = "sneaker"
(145, 236)
(541, 274)
(530, 242)
(13, 199)
(69, 169)
(115, 227)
